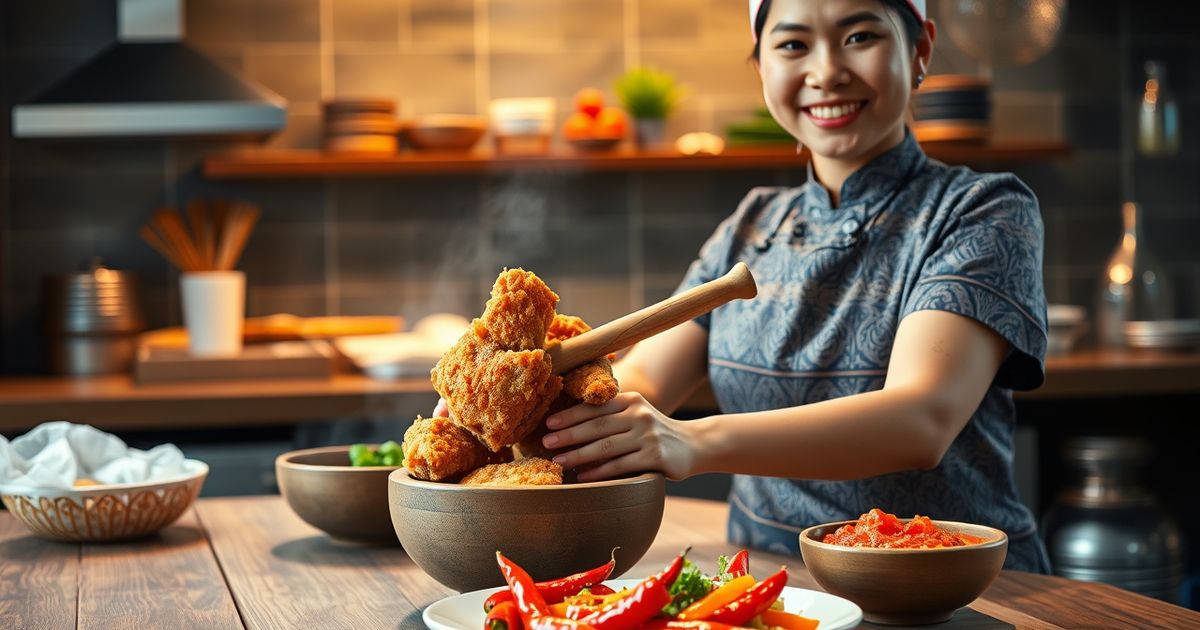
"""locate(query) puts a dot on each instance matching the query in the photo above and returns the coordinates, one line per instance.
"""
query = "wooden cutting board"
(278, 360)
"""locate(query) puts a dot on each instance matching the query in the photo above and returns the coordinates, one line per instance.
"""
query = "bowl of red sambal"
(906, 571)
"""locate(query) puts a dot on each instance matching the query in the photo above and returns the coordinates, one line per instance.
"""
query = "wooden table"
(251, 563)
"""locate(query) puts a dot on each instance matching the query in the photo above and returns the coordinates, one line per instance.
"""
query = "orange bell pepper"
(728, 592)
(786, 620)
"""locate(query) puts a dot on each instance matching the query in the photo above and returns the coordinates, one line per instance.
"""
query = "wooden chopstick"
(171, 226)
(219, 232)
(202, 230)
(157, 242)
(241, 221)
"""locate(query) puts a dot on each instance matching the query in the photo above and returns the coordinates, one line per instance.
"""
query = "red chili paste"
(884, 531)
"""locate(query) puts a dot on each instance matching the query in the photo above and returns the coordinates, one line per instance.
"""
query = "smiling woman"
(901, 303)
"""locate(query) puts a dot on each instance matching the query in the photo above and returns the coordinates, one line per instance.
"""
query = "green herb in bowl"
(388, 454)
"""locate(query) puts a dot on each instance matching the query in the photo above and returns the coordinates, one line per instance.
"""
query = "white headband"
(917, 6)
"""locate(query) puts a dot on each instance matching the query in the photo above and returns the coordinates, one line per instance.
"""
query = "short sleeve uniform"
(911, 234)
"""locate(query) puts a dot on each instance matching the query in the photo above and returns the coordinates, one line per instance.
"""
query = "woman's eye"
(793, 45)
(860, 37)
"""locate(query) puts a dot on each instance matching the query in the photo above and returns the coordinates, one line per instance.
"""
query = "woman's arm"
(941, 366)
(666, 368)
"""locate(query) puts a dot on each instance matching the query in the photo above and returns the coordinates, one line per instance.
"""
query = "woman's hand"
(624, 435)
(441, 410)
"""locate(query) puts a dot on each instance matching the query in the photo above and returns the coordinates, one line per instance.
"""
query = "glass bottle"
(1135, 286)
(1158, 116)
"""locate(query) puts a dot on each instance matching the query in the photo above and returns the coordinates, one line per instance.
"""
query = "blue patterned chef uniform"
(910, 234)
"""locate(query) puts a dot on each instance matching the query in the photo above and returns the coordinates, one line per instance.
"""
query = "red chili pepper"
(529, 600)
(647, 599)
(740, 564)
(555, 591)
(504, 616)
(759, 598)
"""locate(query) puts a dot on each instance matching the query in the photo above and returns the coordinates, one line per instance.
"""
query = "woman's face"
(837, 74)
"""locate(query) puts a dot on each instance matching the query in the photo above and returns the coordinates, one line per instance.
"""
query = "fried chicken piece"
(437, 449)
(565, 327)
(533, 471)
(592, 383)
(498, 395)
(531, 445)
(519, 312)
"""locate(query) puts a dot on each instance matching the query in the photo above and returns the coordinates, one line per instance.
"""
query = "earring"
(919, 79)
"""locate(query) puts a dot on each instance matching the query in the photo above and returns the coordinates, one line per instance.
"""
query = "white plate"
(465, 611)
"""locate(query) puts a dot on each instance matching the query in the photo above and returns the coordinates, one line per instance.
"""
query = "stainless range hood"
(150, 83)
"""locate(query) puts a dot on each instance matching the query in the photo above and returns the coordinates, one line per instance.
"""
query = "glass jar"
(1106, 527)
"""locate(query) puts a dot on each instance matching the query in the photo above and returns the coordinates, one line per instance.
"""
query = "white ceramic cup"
(213, 308)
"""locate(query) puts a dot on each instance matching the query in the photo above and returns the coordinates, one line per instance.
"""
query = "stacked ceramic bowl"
(952, 107)
(360, 126)
(522, 125)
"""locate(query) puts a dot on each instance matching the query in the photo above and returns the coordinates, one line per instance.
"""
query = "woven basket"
(108, 512)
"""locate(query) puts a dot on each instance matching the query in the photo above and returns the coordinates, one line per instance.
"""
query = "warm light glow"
(1120, 273)
(1129, 242)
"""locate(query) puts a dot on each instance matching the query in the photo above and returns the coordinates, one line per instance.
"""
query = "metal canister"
(91, 320)
(1107, 528)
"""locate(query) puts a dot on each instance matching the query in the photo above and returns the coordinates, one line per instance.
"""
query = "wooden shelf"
(116, 402)
(311, 163)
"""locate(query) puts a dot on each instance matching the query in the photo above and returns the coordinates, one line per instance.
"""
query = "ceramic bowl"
(347, 502)
(453, 532)
(108, 512)
(906, 586)
(445, 132)
(594, 145)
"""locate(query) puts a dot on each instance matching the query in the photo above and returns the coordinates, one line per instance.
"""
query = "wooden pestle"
(634, 327)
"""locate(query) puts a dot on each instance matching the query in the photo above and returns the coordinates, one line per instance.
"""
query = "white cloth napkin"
(54, 454)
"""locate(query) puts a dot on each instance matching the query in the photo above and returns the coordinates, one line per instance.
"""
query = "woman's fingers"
(441, 410)
(614, 468)
(605, 448)
(584, 412)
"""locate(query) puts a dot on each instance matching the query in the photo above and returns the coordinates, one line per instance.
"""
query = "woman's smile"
(833, 114)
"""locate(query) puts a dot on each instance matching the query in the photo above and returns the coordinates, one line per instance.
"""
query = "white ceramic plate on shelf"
(465, 611)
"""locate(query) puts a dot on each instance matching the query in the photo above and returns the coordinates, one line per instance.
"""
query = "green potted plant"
(649, 95)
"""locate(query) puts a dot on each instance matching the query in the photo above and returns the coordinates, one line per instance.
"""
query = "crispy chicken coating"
(533, 471)
(498, 395)
(436, 449)
(565, 327)
(531, 445)
(519, 312)
(592, 383)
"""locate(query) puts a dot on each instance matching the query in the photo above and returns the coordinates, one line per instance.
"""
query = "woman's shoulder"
(960, 188)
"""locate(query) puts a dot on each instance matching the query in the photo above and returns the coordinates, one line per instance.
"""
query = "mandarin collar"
(875, 179)
(864, 194)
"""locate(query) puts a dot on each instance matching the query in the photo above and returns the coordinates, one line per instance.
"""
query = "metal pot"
(91, 320)
(1107, 528)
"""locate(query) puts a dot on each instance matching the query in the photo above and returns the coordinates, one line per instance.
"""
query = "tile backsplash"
(607, 242)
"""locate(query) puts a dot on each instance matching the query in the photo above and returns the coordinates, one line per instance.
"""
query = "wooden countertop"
(251, 563)
(116, 402)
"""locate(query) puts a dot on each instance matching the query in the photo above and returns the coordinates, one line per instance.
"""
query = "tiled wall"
(606, 242)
